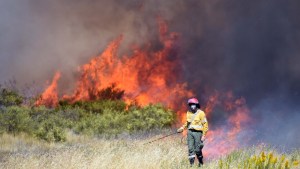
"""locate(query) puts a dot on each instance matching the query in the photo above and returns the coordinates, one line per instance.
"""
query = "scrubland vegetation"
(107, 117)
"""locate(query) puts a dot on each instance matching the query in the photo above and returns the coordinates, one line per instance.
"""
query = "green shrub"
(89, 125)
(108, 123)
(150, 117)
(15, 119)
(51, 129)
(9, 97)
(72, 114)
(107, 116)
(112, 122)
(40, 112)
(50, 124)
(96, 107)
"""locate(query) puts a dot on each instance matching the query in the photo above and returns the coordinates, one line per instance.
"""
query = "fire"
(229, 136)
(225, 138)
(49, 97)
(149, 76)
(146, 76)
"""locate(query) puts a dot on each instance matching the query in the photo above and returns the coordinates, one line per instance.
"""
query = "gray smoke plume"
(249, 47)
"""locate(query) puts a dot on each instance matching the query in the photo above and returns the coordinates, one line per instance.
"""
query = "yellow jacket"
(199, 123)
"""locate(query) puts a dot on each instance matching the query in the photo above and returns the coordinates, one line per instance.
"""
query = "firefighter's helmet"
(194, 101)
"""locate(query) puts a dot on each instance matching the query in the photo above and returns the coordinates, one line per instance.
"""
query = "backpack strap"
(193, 118)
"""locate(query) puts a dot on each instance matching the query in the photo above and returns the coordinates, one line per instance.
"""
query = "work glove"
(180, 130)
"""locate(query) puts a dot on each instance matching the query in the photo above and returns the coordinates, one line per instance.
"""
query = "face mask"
(193, 107)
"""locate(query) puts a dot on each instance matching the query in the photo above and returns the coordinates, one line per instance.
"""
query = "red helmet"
(193, 101)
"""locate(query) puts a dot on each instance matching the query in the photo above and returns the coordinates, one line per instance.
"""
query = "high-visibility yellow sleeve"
(187, 120)
(185, 125)
(204, 123)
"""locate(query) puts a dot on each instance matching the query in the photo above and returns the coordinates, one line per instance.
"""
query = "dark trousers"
(195, 145)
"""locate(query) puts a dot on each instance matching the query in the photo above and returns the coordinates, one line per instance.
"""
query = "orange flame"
(49, 97)
(146, 76)
(226, 138)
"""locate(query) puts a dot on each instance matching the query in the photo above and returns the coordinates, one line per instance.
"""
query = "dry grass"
(81, 152)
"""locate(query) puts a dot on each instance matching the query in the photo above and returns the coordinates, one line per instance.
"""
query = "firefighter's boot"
(200, 159)
(192, 161)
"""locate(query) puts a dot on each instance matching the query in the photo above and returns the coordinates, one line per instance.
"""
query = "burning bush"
(145, 76)
(107, 115)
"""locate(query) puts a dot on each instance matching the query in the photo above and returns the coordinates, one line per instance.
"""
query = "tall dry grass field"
(82, 152)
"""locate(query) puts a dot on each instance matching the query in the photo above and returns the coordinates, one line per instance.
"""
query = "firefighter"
(197, 126)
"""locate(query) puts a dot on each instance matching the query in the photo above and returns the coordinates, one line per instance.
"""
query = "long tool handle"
(161, 138)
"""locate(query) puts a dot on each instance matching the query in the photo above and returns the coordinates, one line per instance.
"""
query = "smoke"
(277, 123)
(249, 47)
(38, 38)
